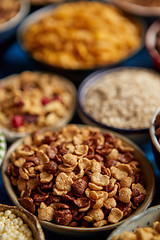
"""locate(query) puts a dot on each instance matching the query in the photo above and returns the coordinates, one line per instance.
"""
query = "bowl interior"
(147, 172)
(143, 219)
(70, 88)
(39, 14)
(28, 218)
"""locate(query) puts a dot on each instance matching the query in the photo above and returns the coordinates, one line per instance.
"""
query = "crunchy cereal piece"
(59, 192)
(84, 164)
(113, 192)
(63, 182)
(24, 173)
(125, 235)
(96, 214)
(125, 194)
(112, 182)
(126, 182)
(19, 162)
(32, 183)
(69, 160)
(45, 213)
(98, 204)
(96, 166)
(99, 179)
(100, 223)
(110, 203)
(138, 187)
(21, 184)
(117, 173)
(123, 148)
(42, 157)
(23, 153)
(95, 186)
(65, 169)
(115, 215)
(81, 150)
(125, 168)
(113, 155)
(45, 177)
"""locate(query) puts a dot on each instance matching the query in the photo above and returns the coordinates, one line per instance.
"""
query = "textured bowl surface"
(28, 218)
(149, 180)
(150, 41)
(39, 14)
(8, 28)
(143, 219)
(136, 8)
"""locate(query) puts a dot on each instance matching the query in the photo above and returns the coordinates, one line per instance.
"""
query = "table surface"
(14, 60)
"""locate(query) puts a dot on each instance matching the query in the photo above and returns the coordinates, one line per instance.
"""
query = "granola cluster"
(34, 100)
(77, 176)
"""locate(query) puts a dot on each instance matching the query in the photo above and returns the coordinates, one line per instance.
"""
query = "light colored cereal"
(13, 227)
(110, 203)
(70, 160)
(63, 182)
(117, 173)
(125, 98)
(81, 150)
(45, 212)
(96, 214)
(115, 215)
(126, 182)
(76, 35)
(125, 194)
(99, 179)
(45, 177)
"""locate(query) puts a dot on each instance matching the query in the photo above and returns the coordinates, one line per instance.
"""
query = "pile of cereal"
(8, 10)
(13, 227)
(77, 176)
(83, 35)
(150, 233)
(34, 100)
(125, 98)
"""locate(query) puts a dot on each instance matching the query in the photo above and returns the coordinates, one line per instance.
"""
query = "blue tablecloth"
(14, 60)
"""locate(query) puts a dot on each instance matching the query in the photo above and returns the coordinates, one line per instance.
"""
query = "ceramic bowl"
(136, 134)
(7, 29)
(28, 218)
(154, 140)
(143, 219)
(149, 181)
(12, 135)
(150, 42)
(40, 14)
(137, 9)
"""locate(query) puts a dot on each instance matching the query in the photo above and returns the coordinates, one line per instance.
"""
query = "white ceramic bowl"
(7, 29)
(143, 219)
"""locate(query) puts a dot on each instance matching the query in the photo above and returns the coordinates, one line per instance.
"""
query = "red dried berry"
(56, 98)
(17, 121)
(45, 100)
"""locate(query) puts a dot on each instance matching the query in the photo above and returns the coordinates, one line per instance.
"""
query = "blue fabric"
(14, 60)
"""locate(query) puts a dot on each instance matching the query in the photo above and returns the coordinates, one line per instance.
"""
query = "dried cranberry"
(19, 103)
(56, 98)
(45, 100)
(17, 121)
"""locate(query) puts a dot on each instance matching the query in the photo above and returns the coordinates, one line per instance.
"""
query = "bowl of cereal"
(35, 100)
(78, 179)
(121, 100)
(12, 13)
(81, 36)
(17, 223)
(146, 8)
(145, 225)
(152, 41)
(154, 134)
